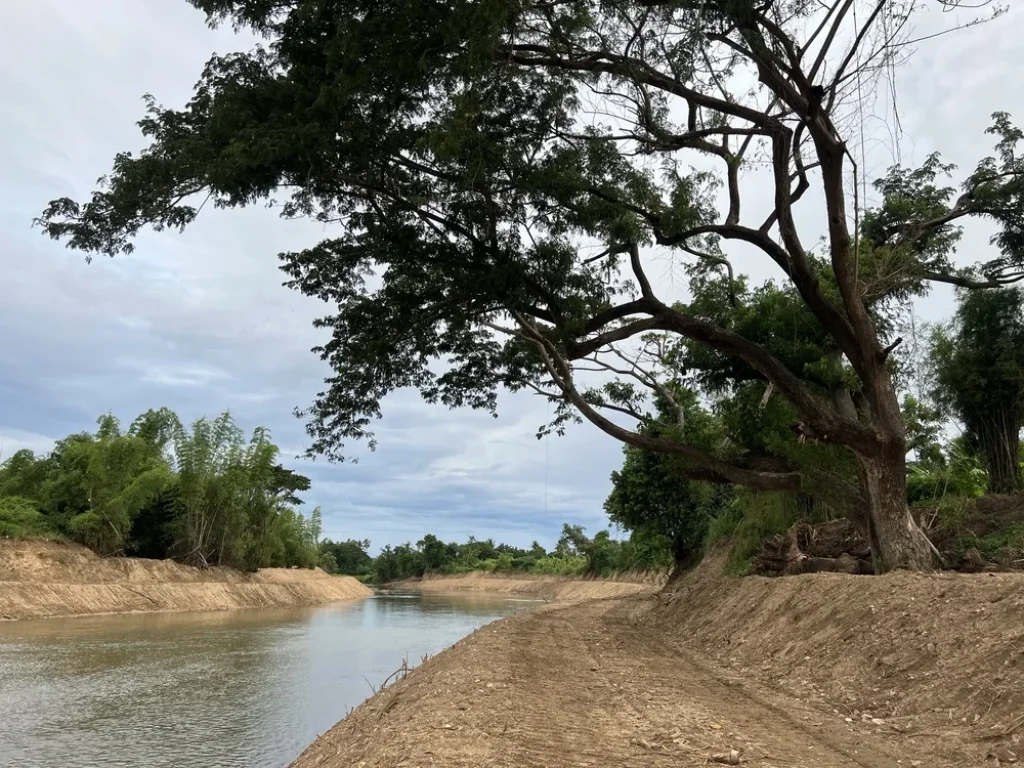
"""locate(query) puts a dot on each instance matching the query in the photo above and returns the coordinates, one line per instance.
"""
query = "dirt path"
(554, 588)
(583, 685)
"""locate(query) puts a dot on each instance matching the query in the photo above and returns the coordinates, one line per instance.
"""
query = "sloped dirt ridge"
(822, 671)
(45, 579)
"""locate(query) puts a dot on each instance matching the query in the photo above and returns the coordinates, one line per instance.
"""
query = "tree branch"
(561, 374)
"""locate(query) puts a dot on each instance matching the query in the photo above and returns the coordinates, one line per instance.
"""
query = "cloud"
(199, 321)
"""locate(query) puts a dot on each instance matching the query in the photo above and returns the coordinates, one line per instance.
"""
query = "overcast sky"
(200, 322)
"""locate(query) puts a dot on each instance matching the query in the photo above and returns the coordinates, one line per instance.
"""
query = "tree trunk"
(896, 540)
(1002, 457)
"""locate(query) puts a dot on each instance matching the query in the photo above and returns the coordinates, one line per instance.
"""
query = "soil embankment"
(814, 671)
(45, 579)
(553, 588)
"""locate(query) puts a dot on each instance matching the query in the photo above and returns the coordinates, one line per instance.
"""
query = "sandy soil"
(817, 671)
(45, 579)
(554, 588)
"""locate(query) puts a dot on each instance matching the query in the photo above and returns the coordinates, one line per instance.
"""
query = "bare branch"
(962, 281)
(561, 373)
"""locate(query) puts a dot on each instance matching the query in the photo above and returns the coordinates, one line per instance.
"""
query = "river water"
(242, 688)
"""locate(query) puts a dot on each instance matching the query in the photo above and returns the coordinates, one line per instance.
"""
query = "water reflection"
(241, 688)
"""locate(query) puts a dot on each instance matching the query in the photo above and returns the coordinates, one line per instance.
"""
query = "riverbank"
(551, 588)
(815, 671)
(49, 579)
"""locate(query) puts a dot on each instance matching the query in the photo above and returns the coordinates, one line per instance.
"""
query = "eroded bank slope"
(822, 671)
(44, 579)
(554, 588)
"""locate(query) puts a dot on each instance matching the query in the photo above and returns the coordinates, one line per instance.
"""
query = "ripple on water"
(242, 689)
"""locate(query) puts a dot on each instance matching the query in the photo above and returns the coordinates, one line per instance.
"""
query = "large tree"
(978, 362)
(499, 174)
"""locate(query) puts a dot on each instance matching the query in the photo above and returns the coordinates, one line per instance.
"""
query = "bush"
(327, 562)
(19, 519)
(561, 566)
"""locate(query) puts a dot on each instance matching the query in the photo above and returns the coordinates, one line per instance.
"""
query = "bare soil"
(815, 671)
(559, 588)
(48, 579)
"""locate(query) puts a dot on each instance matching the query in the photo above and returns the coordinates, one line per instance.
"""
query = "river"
(241, 688)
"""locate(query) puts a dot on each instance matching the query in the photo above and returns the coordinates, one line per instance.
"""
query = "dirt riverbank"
(552, 588)
(815, 671)
(46, 579)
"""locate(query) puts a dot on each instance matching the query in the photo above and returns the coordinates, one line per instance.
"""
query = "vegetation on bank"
(205, 494)
(575, 554)
(963, 424)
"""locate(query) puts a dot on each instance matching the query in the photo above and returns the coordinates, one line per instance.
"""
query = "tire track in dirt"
(592, 690)
(584, 686)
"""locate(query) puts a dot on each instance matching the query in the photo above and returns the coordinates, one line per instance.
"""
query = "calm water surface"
(241, 688)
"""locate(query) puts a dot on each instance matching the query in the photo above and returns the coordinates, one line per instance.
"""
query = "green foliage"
(349, 557)
(203, 495)
(436, 148)
(652, 495)
(978, 366)
(573, 565)
(467, 175)
(994, 547)
(327, 562)
(574, 555)
(19, 519)
(953, 472)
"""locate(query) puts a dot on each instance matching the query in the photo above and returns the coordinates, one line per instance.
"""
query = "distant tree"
(328, 563)
(152, 532)
(978, 362)
(350, 557)
(24, 474)
(602, 554)
(435, 552)
(20, 518)
(108, 478)
(572, 542)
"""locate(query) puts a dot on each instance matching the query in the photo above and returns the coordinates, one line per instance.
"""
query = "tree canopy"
(978, 364)
(498, 175)
(203, 494)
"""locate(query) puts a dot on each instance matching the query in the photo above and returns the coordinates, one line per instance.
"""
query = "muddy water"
(242, 688)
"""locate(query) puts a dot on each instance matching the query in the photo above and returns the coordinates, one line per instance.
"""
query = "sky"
(199, 322)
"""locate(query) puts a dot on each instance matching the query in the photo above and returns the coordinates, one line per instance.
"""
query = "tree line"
(204, 494)
(575, 554)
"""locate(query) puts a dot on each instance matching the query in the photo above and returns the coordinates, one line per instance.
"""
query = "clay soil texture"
(47, 579)
(812, 671)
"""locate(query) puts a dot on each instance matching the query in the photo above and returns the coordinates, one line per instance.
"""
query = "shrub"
(572, 565)
(19, 519)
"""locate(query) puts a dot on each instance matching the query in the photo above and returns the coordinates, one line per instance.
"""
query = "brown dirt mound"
(546, 587)
(44, 579)
(937, 657)
(817, 671)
